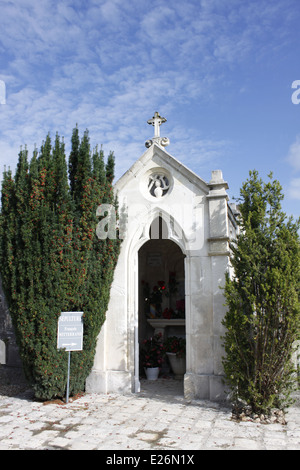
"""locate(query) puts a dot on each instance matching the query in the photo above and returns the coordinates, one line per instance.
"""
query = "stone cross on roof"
(157, 121)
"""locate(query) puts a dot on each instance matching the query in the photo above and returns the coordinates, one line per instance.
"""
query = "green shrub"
(262, 321)
(51, 258)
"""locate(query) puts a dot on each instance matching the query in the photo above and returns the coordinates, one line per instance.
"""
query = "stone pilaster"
(219, 255)
(218, 215)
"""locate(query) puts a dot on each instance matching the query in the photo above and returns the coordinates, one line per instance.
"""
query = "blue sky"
(221, 72)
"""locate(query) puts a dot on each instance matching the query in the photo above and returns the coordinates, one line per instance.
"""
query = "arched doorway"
(161, 289)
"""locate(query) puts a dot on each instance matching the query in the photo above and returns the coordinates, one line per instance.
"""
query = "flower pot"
(177, 364)
(152, 373)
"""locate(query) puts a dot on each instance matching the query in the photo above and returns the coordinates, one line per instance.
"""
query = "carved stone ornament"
(156, 122)
(163, 141)
(158, 185)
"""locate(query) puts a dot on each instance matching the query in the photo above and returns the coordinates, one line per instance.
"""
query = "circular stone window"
(158, 185)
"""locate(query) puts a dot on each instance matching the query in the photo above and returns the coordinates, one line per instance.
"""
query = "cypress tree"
(52, 260)
(110, 168)
(262, 321)
(73, 158)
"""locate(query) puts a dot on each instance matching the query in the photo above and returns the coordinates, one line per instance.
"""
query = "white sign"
(70, 331)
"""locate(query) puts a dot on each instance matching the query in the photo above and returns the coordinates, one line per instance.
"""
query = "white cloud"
(294, 189)
(293, 158)
(108, 65)
(294, 154)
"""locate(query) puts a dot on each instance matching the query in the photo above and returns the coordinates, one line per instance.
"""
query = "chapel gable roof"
(160, 158)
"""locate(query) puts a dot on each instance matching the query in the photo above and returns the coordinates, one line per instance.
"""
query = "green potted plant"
(152, 354)
(175, 348)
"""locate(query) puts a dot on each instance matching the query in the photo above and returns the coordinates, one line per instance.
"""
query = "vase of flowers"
(154, 297)
(175, 348)
(152, 354)
(160, 294)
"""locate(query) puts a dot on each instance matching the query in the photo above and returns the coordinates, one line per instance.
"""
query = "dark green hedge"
(51, 259)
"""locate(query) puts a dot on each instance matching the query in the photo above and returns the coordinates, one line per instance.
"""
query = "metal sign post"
(70, 337)
(68, 379)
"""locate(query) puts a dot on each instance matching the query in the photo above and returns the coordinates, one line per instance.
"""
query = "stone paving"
(158, 418)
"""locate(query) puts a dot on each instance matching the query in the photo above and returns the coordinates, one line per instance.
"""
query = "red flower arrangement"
(152, 351)
(168, 313)
(154, 297)
(176, 345)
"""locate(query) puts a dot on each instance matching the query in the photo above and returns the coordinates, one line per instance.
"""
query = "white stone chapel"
(176, 233)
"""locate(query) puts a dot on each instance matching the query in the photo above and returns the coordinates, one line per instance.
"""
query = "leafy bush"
(262, 321)
(51, 258)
